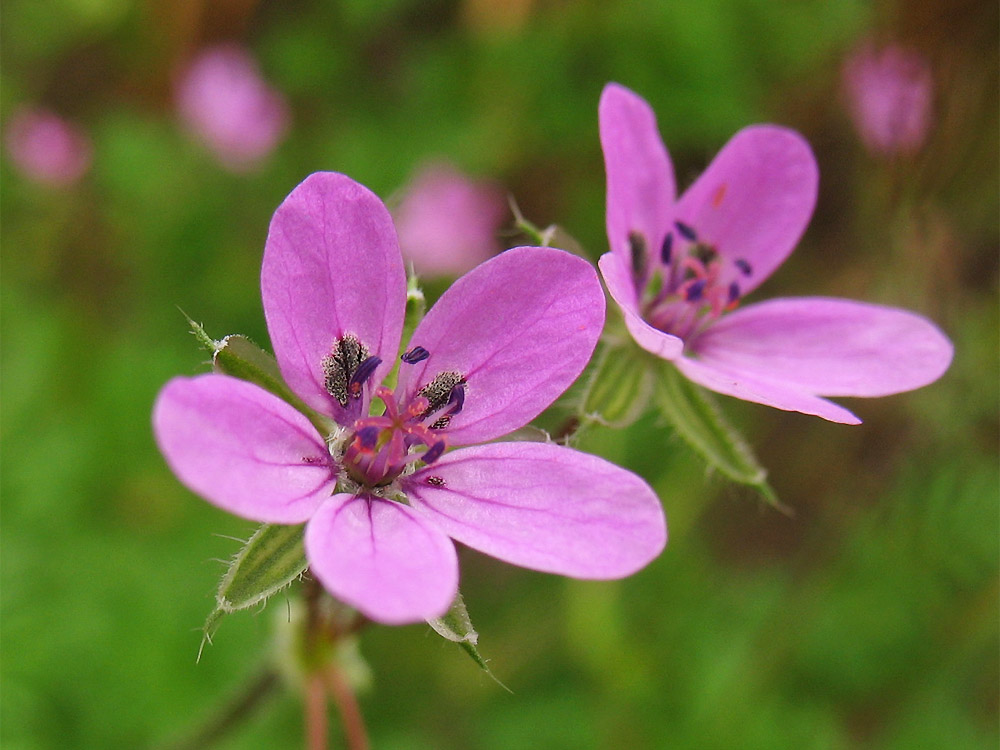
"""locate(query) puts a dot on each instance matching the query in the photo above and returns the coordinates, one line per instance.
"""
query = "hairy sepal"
(456, 626)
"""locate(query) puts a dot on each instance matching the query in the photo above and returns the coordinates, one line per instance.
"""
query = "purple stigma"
(368, 437)
(745, 268)
(667, 248)
(695, 292)
(686, 232)
(433, 453)
(734, 292)
(416, 354)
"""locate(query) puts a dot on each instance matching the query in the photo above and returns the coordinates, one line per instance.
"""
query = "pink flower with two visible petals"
(679, 268)
(447, 223)
(224, 101)
(889, 93)
(379, 495)
(47, 148)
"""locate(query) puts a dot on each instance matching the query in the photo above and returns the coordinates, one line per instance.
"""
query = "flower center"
(380, 448)
(692, 285)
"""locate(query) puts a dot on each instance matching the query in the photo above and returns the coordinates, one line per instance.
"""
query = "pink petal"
(754, 201)
(751, 388)
(331, 267)
(544, 507)
(520, 328)
(382, 558)
(242, 448)
(618, 279)
(833, 347)
(640, 177)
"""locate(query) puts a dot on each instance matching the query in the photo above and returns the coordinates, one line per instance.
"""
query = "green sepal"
(456, 626)
(238, 356)
(618, 386)
(271, 559)
(698, 419)
(552, 236)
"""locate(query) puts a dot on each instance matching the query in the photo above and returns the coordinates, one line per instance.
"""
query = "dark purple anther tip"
(745, 268)
(365, 370)
(686, 232)
(368, 437)
(433, 453)
(667, 248)
(416, 354)
(695, 291)
(456, 400)
(734, 292)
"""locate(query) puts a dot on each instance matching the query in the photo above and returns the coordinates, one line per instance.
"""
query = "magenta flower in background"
(889, 93)
(379, 496)
(224, 101)
(47, 148)
(447, 223)
(678, 269)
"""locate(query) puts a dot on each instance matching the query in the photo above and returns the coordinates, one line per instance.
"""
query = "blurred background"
(139, 174)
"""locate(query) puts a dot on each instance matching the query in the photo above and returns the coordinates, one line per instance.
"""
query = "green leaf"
(456, 626)
(618, 387)
(269, 561)
(238, 356)
(698, 419)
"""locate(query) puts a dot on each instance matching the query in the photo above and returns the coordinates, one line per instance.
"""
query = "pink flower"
(890, 94)
(223, 100)
(447, 223)
(379, 495)
(678, 269)
(47, 148)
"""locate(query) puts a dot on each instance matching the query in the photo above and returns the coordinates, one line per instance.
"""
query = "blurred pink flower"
(679, 268)
(47, 148)
(889, 94)
(223, 100)
(447, 223)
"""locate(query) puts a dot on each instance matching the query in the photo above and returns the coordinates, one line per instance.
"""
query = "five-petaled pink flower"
(447, 223)
(47, 148)
(224, 101)
(678, 269)
(889, 93)
(379, 495)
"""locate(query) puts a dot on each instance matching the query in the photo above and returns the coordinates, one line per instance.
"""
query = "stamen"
(686, 232)
(339, 367)
(438, 391)
(365, 370)
(734, 292)
(433, 453)
(637, 247)
(745, 268)
(416, 354)
(367, 437)
(667, 249)
(435, 481)
(695, 290)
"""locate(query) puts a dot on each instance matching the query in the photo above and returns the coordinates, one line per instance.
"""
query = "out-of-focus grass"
(869, 619)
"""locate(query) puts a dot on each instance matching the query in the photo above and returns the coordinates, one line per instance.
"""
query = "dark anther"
(686, 232)
(438, 391)
(745, 268)
(667, 248)
(455, 403)
(705, 253)
(365, 370)
(695, 291)
(734, 292)
(433, 453)
(341, 365)
(368, 437)
(416, 354)
(435, 481)
(637, 247)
